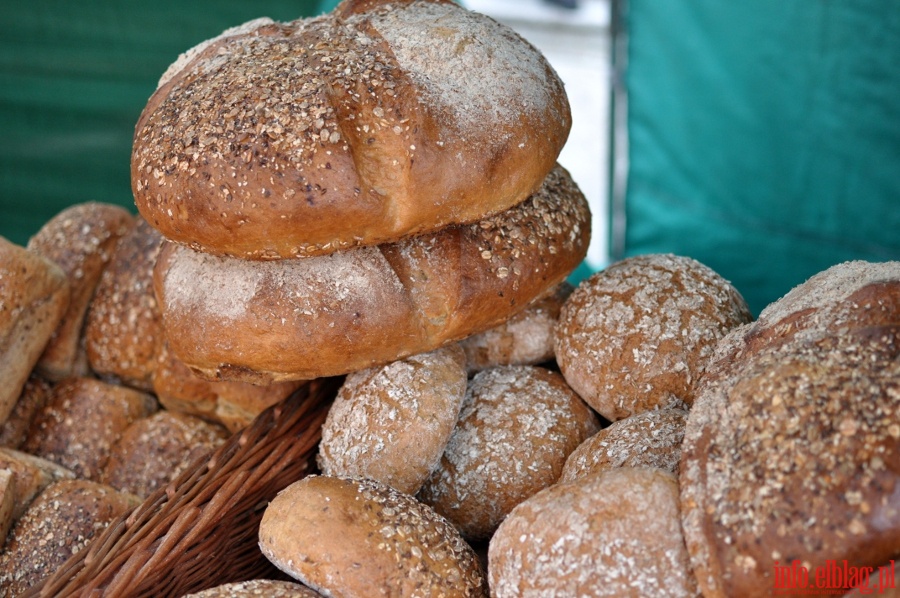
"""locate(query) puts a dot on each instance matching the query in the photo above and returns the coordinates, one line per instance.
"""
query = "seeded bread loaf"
(306, 318)
(377, 121)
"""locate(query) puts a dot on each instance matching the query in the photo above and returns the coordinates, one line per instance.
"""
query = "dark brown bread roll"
(81, 240)
(62, 520)
(517, 426)
(375, 122)
(33, 398)
(355, 537)
(637, 335)
(616, 534)
(392, 423)
(83, 418)
(329, 315)
(34, 296)
(795, 456)
(123, 330)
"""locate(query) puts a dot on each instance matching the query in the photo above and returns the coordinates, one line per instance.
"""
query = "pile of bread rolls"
(373, 194)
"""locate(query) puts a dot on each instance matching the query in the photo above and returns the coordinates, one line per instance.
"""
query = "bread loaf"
(81, 240)
(355, 537)
(377, 121)
(32, 474)
(329, 315)
(34, 296)
(257, 588)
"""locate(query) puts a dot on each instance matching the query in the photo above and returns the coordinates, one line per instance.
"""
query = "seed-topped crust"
(375, 122)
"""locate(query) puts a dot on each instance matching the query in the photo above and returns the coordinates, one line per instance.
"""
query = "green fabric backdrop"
(764, 137)
(74, 77)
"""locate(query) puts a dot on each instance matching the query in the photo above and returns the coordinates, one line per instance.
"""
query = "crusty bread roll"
(648, 439)
(123, 330)
(81, 421)
(32, 474)
(81, 240)
(524, 339)
(257, 588)
(7, 502)
(155, 449)
(795, 456)
(33, 398)
(637, 335)
(375, 122)
(329, 315)
(34, 296)
(356, 537)
(615, 533)
(517, 426)
(392, 423)
(232, 403)
(61, 521)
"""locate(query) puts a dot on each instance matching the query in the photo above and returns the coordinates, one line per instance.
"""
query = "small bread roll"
(82, 420)
(517, 426)
(524, 339)
(34, 296)
(7, 502)
(32, 474)
(355, 537)
(649, 439)
(61, 521)
(392, 423)
(257, 588)
(123, 331)
(81, 240)
(637, 335)
(154, 450)
(616, 533)
(232, 403)
(33, 398)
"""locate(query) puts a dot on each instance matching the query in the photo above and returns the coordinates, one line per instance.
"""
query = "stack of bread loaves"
(343, 191)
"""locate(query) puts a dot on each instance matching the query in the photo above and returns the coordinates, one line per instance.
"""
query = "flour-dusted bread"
(34, 296)
(305, 318)
(637, 335)
(359, 538)
(374, 122)
(81, 240)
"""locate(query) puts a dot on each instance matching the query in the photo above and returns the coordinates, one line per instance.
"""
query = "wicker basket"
(201, 530)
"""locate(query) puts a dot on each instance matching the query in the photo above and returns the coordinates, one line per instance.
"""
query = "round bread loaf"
(637, 335)
(392, 423)
(375, 122)
(123, 331)
(313, 317)
(358, 538)
(795, 456)
(517, 426)
(81, 240)
(155, 449)
(257, 588)
(61, 521)
(648, 439)
(81, 421)
(615, 533)
(524, 339)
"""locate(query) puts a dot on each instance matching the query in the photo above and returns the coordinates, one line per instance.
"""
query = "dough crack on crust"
(363, 126)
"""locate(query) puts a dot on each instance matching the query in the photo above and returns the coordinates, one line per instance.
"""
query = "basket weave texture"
(201, 529)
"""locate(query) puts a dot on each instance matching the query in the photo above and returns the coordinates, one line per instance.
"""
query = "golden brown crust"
(34, 296)
(123, 330)
(355, 537)
(360, 127)
(795, 456)
(154, 450)
(615, 534)
(637, 335)
(82, 420)
(60, 522)
(392, 423)
(81, 240)
(329, 315)
(517, 426)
